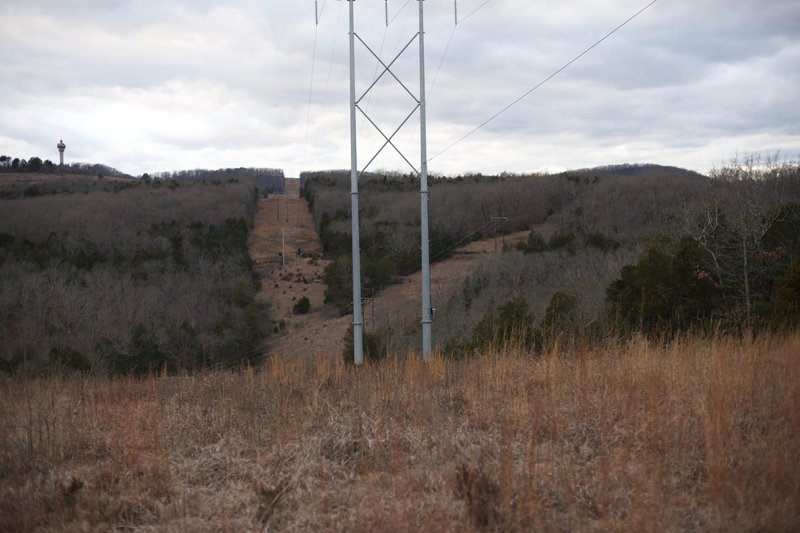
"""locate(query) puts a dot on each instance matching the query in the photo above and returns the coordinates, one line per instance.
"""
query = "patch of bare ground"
(690, 435)
(287, 253)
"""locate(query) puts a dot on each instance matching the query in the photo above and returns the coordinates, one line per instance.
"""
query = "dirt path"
(283, 223)
(288, 259)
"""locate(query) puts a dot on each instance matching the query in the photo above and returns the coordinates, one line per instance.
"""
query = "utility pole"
(424, 195)
(358, 319)
(419, 103)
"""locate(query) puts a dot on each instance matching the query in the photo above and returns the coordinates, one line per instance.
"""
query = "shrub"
(513, 322)
(144, 354)
(668, 289)
(534, 243)
(562, 240)
(373, 344)
(302, 306)
(786, 297)
(600, 241)
(20, 358)
(69, 358)
(560, 318)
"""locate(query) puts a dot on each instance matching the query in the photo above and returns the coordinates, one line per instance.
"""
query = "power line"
(444, 54)
(374, 75)
(474, 11)
(463, 241)
(330, 66)
(333, 52)
(397, 45)
(317, 15)
(441, 62)
(550, 77)
(399, 11)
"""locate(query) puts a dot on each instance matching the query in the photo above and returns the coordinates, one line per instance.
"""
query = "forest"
(127, 277)
(118, 275)
(267, 180)
(610, 250)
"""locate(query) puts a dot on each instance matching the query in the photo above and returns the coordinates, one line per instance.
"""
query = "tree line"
(35, 164)
(735, 265)
(727, 261)
(268, 180)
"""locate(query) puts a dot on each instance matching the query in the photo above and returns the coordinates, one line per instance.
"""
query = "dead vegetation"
(689, 434)
(107, 281)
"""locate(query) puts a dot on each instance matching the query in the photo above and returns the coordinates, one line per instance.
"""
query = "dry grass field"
(638, 436)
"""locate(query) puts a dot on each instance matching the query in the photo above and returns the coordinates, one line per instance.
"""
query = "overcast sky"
(178, 84)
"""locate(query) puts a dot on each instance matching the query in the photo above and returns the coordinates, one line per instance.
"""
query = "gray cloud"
(183, 84)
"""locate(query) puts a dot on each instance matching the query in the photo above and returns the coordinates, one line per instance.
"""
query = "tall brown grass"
(684, 435)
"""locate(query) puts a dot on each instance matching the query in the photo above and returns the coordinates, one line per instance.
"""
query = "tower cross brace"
(419, 104)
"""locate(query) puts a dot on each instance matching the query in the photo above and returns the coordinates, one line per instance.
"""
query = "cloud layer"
(178, 84)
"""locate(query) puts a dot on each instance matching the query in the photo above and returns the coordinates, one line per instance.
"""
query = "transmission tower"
(420, 104)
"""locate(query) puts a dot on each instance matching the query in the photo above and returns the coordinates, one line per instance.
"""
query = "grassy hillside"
(124, 276)
(636, 436)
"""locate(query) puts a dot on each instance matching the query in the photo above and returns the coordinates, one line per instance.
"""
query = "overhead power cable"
(464, 240)
(444, 56)
(330, 66)
(330, 59)
(399, 11)
(468, 15)
(450, 40)
(317, 16)
(379, 87)
(374, 75)
(547, 79)
(441, 62)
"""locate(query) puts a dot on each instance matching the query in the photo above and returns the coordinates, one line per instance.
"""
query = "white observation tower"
(61, 147)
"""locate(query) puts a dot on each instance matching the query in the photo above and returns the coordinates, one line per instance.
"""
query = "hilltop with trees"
(35, 164)
(609, 250)
(267, 180)
(134, 277)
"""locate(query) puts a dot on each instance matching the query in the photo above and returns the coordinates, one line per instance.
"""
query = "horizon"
(221, 84)
(161, 174)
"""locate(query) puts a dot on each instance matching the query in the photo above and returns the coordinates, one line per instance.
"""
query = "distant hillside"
(35, 165)
(586, 227)
(638, 170)
(30, 184)
(110, 275)
(267, 180)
